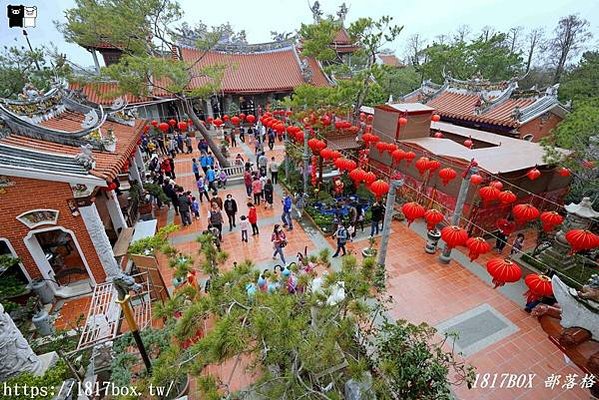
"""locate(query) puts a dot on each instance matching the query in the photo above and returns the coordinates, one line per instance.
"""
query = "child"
(195, 207)
(518, 244)
(222, 179)
(244, 225)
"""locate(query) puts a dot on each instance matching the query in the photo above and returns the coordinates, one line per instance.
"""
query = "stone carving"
(342, 13)
(307, 72)
(316, 11)
(118, 103)
(552, 90)
(86, 157)
(97, 234)
(576, 311)
(90, 119)
(16, 356)
(124, 284)
(516, 113)
(590, 291)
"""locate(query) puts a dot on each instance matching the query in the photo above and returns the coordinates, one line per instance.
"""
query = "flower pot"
(369, 252)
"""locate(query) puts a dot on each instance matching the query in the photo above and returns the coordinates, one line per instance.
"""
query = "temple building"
(61, 162)
(498, 107)
(498, 157)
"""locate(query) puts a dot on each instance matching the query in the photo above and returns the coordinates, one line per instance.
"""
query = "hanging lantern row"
(503, 270)
(454, 236)
(412, 211)
(550, 220)
(379, 187)
(433, 217)
(582, 240)
(343, 164)
(476, 247)
(425, 164)
(538, 286)
(507, 197)
(366, 118)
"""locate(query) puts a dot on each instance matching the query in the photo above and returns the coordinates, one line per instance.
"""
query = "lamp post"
(459, 205)
(396, 182)
(306, 158)
(123, 284)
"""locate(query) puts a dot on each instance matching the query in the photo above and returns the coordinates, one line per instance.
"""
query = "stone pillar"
(134, 174)
(395, 184)
(228, 101)
(114, 209)
(209, 110)
(96, 231)
(16, 355)
(141, 166)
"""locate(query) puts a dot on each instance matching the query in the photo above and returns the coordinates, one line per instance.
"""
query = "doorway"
(59, 258)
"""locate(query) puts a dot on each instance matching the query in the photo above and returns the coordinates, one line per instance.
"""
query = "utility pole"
(306, 158)
(395, 183)
(286, 142)
(37, 65)
(459, 205)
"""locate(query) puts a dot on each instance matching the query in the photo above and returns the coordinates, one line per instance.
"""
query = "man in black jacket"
(169, 190)
(377, 212)
(185, 209)
(230, 207)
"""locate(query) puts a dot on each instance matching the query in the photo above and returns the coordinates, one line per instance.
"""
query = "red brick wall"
(30, 194)
(539, 127)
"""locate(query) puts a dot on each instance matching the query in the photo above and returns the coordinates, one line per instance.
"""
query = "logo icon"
(21, 16)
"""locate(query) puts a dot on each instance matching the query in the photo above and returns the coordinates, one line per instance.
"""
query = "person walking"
(279, 241)
(230, 207)
(271, 139)
(518, 244)
(342, 236)
(242, 134)
(257, 190)
(268, 193)
(211, 176)
(185, 209)
(505, 229)
(233, 138)
(202, 188)
(253, 219)
(165, 166)
(195, 207)
(274, 171)
(171, 161)
(217, 200)
(180, 142)
(161, 146)
(244, 225)
(215, 219)
(195, 168)
(204, 162)
(377, 212)
(247, 181)
(286, 217)
(262, 164)
(188, 144)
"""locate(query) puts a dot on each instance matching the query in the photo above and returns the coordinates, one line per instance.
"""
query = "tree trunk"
(205, 134)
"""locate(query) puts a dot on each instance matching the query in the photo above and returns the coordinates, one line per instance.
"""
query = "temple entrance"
(58, 256)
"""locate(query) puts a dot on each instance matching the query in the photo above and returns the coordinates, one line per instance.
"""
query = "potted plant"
(370, 251)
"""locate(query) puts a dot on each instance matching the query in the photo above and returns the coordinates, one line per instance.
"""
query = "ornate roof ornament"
(583, 209)
(516, 113)
(552, 90)
(342, 13)
(307, 72)
(118, 103)
(86, 157)
(90, 119)
(316, 11)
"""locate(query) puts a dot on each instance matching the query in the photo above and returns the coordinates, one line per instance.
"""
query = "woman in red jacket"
(253, 219)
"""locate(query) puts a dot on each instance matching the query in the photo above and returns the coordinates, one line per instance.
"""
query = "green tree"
(144, 30)
(582, 82)
(20, 66)
(399, 81)
(369, 35)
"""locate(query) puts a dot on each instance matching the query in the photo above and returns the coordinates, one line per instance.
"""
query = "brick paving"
(423, 290)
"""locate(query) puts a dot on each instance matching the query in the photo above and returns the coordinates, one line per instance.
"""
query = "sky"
(259, 17)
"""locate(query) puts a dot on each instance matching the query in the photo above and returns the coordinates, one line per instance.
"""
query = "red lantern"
(209, 120)
(563, 171)
(379, 188)
(349, 165)
(550, 219)
(476, 247)
(381, 147)
(433, 165)
(326, 153)
(369, 138)
(496, 184)
(250, 118)
(588, 164)
(164, 127)
(488, 193)
(505, 226)
(468, 143)
(439, 135)
(235, 120)
(436, 118)
(432, 218)
(582, 240)
(225, 117)
(398, 155)
(533, 174)
(172, 122)
(182, 126)
(369, 119)
(357, 175)
(369, 177)
(362, 116)
(454, 236)
(524, 213)
(412, 211)
(507, 197)
(218, 122)
(146, 129)
(403, 121)
(154, 123)
(476, 179)
(326, 120)
(409, 156)
(447, 175)
(422, 164)
(503, 270)
(538, 286)
(336, 154)
(111, 186)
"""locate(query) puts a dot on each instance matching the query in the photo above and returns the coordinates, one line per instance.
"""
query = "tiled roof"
(108, 165)
(342, 37)
(390, 59)
(274, 71)
(104, 93)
